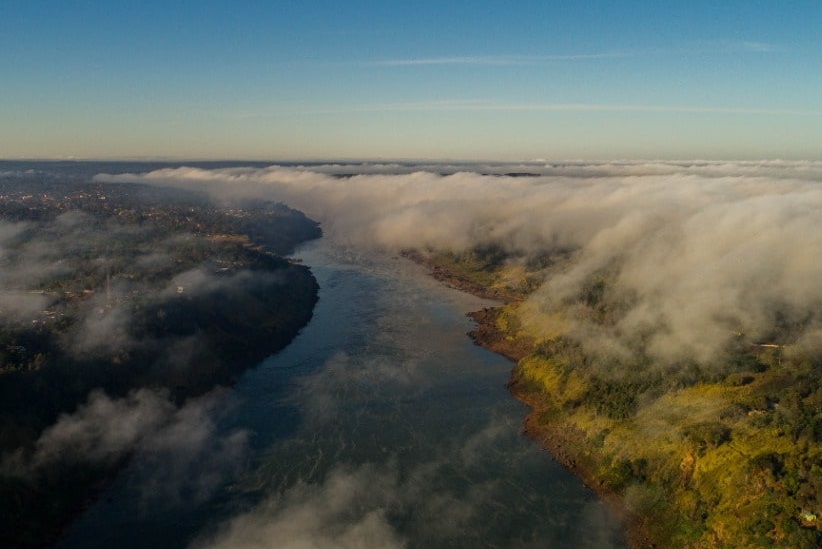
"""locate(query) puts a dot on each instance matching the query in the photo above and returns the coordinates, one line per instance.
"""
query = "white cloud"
(346, 511)
(100, 431)
(496, 59)
(761, 47)
(186, 461)
(181, 456)
(695, 251)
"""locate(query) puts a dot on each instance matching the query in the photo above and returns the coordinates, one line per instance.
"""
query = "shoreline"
(251, 359)
(554, 438)
(750, 460)
(454, 281)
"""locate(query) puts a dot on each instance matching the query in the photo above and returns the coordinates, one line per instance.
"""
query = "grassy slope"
(728, 460)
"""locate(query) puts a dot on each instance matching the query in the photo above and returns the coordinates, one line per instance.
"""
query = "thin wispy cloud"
(726, 47)
(600, 107)
(512, 60)
(495, 60)
(474, 105)
(761, 47)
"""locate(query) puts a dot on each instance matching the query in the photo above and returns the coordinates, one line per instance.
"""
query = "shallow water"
(381, 425)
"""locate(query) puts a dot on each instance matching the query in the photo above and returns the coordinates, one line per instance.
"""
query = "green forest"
(726, 454)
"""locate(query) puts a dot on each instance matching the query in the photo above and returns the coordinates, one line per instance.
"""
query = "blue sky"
(479, 80)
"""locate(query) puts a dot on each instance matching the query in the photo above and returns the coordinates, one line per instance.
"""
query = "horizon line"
(329, 160)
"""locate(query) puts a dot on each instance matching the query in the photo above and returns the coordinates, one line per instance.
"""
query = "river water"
(381, 425)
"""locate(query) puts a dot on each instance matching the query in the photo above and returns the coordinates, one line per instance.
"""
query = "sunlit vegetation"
(486, 270)
(725, 454)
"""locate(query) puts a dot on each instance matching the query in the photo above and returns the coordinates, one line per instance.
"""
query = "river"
(381, 425)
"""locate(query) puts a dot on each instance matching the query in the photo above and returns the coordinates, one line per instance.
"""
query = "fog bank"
(692, 254)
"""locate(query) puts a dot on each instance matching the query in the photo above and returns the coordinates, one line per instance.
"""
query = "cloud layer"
(424, 492)
(182, 457)
(693, 253)
(345, 511)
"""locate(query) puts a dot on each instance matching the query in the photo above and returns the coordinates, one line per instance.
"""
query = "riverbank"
(160, 297)
(698, 456)
(563, 441)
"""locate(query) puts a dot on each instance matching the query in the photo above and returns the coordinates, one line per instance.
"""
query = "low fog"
(75, 242)
(104, 430)
(354, 485)
(694, 254)
(182, 458)
(347, 511)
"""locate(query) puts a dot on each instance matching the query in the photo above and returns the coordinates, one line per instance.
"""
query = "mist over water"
(381, 425)
(694, 253)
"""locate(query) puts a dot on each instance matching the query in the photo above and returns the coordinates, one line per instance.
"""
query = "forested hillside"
(719, 454)
(107, 290)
